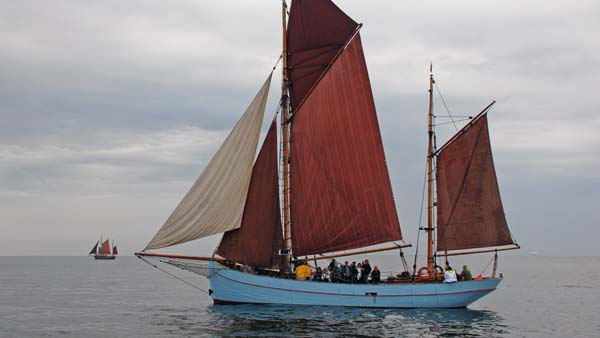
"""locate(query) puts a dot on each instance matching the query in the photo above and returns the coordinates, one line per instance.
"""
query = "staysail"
(317, 30)
(469, 208)
(341, 194)
(215, 203)
(94, 249)
(105, 248)
(258, 240)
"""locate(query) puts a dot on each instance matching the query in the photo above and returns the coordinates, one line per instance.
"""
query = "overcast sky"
(110, 109)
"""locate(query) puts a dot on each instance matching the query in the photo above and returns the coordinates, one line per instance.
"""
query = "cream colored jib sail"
(215, 203)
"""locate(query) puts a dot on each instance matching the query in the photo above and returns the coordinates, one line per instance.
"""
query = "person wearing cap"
(466, 274)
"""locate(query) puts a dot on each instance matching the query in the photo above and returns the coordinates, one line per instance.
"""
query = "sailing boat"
(335, 196)
(102, 251)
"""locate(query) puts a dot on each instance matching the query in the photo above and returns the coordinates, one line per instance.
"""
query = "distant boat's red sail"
(317, 30)
(259, 239)
(341, 195)
(469, 208)
(105, 248)
(115, 252)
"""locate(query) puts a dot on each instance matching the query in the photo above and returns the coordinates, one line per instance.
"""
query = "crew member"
(303, 271)
(449, 275)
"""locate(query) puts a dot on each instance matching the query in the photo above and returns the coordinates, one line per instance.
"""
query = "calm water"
(79, 297)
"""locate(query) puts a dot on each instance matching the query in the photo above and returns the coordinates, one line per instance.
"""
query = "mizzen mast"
(285, 136)
(430, 226)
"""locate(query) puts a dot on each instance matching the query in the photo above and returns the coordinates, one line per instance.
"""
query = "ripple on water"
(271, 320)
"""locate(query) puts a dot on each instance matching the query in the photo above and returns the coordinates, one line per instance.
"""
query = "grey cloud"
(110, 109)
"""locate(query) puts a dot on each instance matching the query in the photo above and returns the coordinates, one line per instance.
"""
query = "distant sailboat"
(336, 192)
(102, 251)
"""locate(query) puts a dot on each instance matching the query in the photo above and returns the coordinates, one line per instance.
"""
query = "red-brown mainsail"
(341, 195)
(258, 240)
(469, 208)
(317, 29)
(105, 248)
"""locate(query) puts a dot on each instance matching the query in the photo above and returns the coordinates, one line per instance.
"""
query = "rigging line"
(487, 266)
(444, 102)
(420, 221)
(172, 275)
(453, 122)
(277, 63)
(461, 116)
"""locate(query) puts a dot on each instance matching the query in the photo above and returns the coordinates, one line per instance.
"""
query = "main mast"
(285, 136)
(430, 226)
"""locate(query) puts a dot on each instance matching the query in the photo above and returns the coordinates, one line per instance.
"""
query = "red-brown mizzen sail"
(259, 239)
(317, 30)
(469, 208)
(105, 248)
(341, 195)
(115, 252)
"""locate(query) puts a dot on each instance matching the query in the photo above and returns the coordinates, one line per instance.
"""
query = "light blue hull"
(235, 287)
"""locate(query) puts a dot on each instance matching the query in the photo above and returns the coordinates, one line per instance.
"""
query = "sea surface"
(79, 297)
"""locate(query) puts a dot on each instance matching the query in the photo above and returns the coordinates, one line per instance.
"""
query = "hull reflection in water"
(235, 287)
(273, 320)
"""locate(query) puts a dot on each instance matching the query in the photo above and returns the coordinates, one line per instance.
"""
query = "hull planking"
(235, 287)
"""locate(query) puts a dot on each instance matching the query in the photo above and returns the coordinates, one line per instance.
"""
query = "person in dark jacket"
(318, 277)
(346, 273)
(354, 272)
(336, 274)
(366, 271)
(375, 275)
(466, 274)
